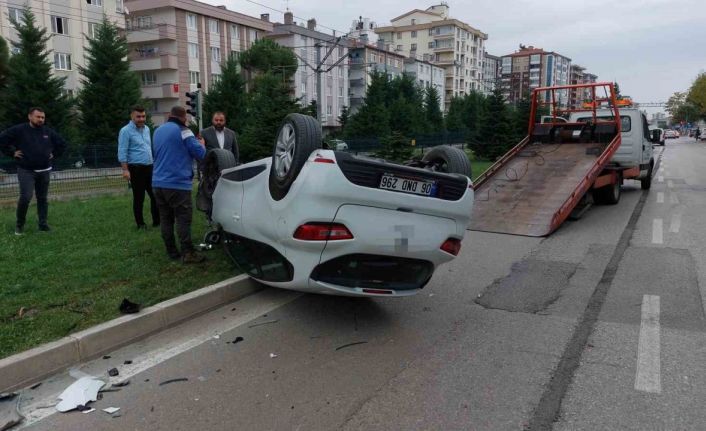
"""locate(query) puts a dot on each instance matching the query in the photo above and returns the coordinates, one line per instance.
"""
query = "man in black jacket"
(33, 146)
(219, 136)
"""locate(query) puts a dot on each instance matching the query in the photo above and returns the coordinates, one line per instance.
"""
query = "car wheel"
(216, 160)
(298, 136)
(445, 158)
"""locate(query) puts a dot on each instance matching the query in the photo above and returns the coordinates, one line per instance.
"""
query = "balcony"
(160, 91)
(356, 82)
(449, 48)
(154, 62)
(442, 36)
(151, 33)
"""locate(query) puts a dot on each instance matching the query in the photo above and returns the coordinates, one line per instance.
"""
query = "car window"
(625, 122)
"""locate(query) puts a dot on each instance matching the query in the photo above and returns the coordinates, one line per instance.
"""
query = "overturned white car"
(324, 221)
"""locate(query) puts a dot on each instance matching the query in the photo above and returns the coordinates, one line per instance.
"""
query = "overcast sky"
(652, 48)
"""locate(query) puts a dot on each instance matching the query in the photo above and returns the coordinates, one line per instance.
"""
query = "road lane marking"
(670, 184)
(660, 179)
(660, 197)
(673, 198)
(648, 377)
(676, 223)
(657, 231)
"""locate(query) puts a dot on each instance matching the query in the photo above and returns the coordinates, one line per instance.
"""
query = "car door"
(647, 150)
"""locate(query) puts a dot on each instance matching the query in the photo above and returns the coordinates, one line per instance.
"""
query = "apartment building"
(491, 73)
(578, 75)
(432, 35)
(427, 75)
(69, 23)
(364, 59)
(177, 44)
(305, 40)
(530, 68)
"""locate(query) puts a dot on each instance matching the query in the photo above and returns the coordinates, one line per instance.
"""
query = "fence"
(92, 171)
(421, 142)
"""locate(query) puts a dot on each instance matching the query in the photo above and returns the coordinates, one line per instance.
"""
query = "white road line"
(676, 223)
(670, 184)
(660, 197)
(648, 377)
(673, 198)
(660, 179)
(657, 231)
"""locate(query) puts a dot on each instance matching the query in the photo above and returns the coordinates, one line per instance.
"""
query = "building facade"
(364, 59)
(363, 29)
(305, 41)
(578, 75)
(69, 23)
(432, 35)
(530, 68)
(177, 44)
(491, 73)
(428, 75)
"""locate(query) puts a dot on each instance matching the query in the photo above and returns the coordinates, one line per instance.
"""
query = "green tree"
(617, 91)
(30, 82)
(228, 95)
(432, 110)
(270, 102)
(311, 109)
(4, 62)
(455, 117)
(110, 88)
(265, 55)
(372, 118)
(496, 129)
(344, 117)
(396, 148)
(521, 115)
(697, 94)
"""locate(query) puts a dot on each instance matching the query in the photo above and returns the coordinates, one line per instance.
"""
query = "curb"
(31, 366)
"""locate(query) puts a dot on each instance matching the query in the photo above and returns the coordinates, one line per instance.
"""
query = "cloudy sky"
(652, 48)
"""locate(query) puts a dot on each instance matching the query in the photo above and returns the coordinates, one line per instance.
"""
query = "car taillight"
(322, 232)
(452, 246)
(324, 160)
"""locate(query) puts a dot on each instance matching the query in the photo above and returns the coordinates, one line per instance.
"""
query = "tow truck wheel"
(646, 182)
(608, 195)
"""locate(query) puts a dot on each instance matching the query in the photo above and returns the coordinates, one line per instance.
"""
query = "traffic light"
(193, 104)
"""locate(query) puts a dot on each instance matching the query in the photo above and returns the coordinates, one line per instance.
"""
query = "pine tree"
(455, 117)
(228, 95)
(372, 120)
(496, 129)
(432, 110)
(30, 82)
(4, 62)
(110, 88)
(344, 117)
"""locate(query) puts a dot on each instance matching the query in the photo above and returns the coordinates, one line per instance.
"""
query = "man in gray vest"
(219, 136)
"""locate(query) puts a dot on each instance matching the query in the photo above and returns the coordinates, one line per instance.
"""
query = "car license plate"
(407, 185)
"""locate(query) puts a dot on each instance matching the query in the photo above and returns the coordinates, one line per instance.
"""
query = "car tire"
(297, 137)
(646, 183)
(608, 195)
(213, 164)
(445, 158)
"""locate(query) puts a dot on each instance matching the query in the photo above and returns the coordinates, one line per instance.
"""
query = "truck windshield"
(625, 124)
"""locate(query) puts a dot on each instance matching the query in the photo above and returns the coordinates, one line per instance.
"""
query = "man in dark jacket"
(33, 146)
(219, 136)
(175, 149)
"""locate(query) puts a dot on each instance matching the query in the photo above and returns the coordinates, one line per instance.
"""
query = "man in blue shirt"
(175, 149)
(33, 146)
(135, 156)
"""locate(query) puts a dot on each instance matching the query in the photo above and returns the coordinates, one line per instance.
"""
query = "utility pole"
(319, 87)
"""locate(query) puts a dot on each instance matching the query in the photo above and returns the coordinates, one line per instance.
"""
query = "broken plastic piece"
(106, 356)
(238, 340)
(9, 411)
(121, 384)
(128, 362)
(111, 410)
(272, 355)
(79, 393)
(127, 307)
(267, 322)
(350, 344)
(88, 410)
(180, 379)
(113, 372)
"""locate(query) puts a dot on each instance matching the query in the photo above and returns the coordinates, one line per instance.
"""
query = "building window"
(414, 33)
(414, 47)
(59, 25)
(328, 110)
(149, 78)
(193, 50)
(414, 21)
(193, 77)
(15, 13)
(191, 21)
(95, 2)
(216, 54)
(399, 36)
(254, 35)
(340, 91)
(144, 22)
(235, 55)
(67, 92)
(234, 31)
(431, 32)
(399, 47)
(215, 78)
(303, 87)
(119, 6)
(213, 26)
(340, 71)
(147, 51)
(92, 30)
(62, 61)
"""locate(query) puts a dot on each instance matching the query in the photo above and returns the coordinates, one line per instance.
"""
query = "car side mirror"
(656, 134)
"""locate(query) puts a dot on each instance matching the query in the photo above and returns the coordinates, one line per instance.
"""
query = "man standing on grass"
(33, 146)
(175, 149)
(135, 156)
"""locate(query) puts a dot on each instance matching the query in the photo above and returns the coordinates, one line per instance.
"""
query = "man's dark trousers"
(175, 207)
(37, 183)
(141, 181)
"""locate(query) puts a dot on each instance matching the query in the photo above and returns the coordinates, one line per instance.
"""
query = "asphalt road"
(600, 326)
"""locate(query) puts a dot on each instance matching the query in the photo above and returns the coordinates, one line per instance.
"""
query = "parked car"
(326, 221)
(670, 134)
(662, 134)
(338, 145)
(702, 137)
